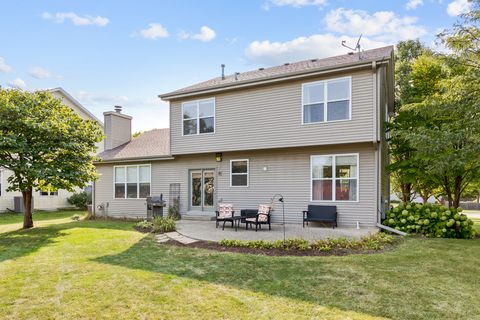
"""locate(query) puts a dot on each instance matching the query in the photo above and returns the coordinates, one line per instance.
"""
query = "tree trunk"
(457, 193)
(447, 190)
(406, 192)
(27, 209)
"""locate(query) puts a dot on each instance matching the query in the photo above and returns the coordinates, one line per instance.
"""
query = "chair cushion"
(263, 211)
(225, 210)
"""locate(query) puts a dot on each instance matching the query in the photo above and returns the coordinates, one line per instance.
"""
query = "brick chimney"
(118, 128)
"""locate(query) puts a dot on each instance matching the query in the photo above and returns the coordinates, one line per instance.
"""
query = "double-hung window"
(334, 177)
(198, 116)
(132, 182)
(239, 173)
(328, 100)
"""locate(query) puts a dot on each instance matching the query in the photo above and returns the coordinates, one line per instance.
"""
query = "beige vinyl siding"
(39, 202)
(271, 117)
(84, 115)
(288, 173)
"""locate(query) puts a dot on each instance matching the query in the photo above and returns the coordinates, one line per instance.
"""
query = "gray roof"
(150, 144)
(285, 70)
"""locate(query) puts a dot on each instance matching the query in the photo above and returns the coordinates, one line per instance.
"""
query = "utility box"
(18, 204)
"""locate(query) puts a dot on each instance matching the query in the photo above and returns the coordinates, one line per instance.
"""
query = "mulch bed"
(143, 230)
(210, 245)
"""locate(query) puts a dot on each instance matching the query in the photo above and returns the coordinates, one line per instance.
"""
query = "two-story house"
(312, 131)
(47, 199)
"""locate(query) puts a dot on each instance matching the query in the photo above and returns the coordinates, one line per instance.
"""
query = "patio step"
(197, 217)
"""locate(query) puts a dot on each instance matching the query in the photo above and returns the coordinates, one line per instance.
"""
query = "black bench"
(317, 213)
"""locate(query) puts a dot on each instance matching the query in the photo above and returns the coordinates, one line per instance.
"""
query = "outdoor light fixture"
(218, 157)
(279, 197)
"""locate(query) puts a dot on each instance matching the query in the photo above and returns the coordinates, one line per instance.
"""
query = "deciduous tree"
(44, 144)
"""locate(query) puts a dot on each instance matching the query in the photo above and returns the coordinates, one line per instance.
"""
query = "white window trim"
(49, 194)
(325, 100)
(198, 116)
(138, 181)
(238, 174)
(334, 178)
(1, 182)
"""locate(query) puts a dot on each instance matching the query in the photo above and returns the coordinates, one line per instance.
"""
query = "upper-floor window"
(327, 100)
(239, 173)
(132, 182)
(334, 177)
(198, 116)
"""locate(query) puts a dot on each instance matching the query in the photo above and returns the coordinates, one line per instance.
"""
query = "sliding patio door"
(202, 189)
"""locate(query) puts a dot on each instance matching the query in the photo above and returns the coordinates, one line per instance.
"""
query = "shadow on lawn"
(380, 284)
(14, 244)
(310, 279)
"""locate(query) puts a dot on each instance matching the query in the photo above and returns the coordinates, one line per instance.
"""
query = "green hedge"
(430, 220)
(375, 241)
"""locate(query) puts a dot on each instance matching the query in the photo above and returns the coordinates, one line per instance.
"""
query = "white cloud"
(314, 46)
(77, 20)
(381, 25)
(101, 98)
(154, 31)
(39, 73)
(206, 34)
(458, 7)
(18, 84)
(4, 67)
(413, 4)
(293, 3)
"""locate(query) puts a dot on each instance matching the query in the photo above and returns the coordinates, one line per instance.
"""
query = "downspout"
(375, 138)
(94, 207)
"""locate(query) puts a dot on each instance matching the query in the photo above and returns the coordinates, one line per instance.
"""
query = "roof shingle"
(153, 143)
(285, 70)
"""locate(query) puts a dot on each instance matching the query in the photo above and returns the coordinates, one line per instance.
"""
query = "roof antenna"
(357, 47)
(223, 71)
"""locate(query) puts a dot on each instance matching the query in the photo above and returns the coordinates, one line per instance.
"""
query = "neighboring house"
(312, 131)
(47, 200)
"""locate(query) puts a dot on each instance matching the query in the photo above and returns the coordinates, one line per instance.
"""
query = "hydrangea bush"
(431, 220)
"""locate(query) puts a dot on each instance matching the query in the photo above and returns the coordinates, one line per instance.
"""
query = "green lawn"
(104, 269)
(13, 221)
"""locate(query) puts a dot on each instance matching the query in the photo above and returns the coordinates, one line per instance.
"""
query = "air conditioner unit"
(18, 204)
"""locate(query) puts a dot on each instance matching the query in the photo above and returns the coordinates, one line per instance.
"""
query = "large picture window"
(198, 116)
(334, 177)
(328, 100)
(239, 173)
(132, 182)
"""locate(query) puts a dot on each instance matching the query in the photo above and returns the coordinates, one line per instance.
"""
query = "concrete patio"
(205, 230)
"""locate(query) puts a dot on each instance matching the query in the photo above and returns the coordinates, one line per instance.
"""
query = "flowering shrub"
(430, 220)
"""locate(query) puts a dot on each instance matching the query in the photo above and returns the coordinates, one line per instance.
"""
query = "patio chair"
(262, 217)
(224, 213)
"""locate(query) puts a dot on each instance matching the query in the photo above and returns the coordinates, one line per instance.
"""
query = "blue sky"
(127, 52)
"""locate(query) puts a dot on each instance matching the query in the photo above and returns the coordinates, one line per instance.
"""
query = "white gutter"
(138, 159)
